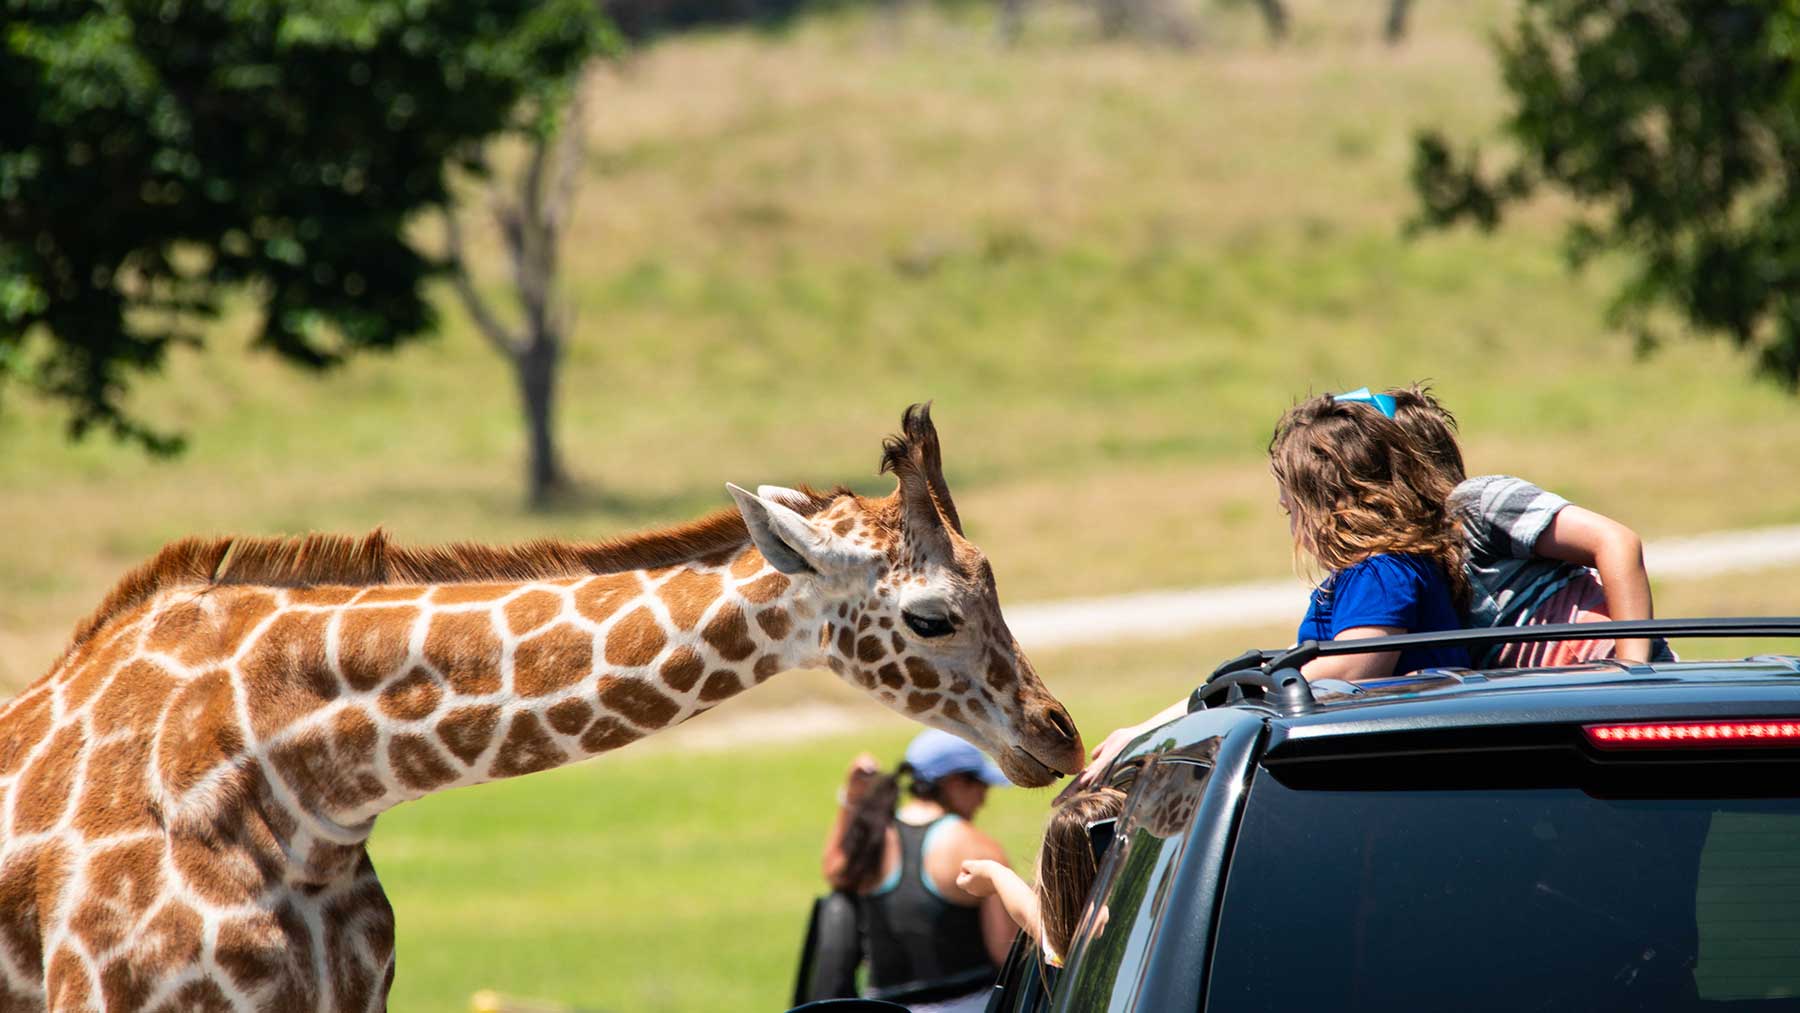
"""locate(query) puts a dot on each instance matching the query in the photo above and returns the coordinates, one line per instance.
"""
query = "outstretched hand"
(977, 877)
(1110, 747)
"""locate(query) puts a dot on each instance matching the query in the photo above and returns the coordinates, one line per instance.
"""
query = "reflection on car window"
(1540, 898)
(1121, 918)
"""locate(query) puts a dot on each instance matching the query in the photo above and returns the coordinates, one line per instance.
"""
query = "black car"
(1602, 837)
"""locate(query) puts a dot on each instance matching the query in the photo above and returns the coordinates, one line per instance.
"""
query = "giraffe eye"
(928, 626)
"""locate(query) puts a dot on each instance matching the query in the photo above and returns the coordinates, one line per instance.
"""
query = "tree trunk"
(545, 477)
(1395, 30)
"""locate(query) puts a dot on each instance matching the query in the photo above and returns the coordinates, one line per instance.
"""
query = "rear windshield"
(1535, 896)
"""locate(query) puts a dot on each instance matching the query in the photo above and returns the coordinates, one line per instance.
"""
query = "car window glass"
(1543, 897)
(1120, 921)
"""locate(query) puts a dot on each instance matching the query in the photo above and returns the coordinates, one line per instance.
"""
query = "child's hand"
(977, 877)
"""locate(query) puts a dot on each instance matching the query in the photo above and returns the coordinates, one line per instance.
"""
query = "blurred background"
(490, 272)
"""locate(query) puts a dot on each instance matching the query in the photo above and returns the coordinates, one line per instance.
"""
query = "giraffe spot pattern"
(766, 667)
(775, 623)
(634, 640)
(719, 685)
(184, 632)
(417, 763)
(870, 650)
(729, 634)
(555, 659)
(368, 651)
(609, 733)
(687, 595)
(682, 669)
(463, 647)
(412, 697)
(570, 717)
(199, 732)
(599, 598)
(45, 786)
(919, 703)
(123, 879)
(116, 796)
(764, 589)
(26, 724)
(748, 564)
(637, 701)
(923, 675)
(468, 594)
(527, 749)
(467, 730)
(285, 674)
(999, 673)
(531, 610)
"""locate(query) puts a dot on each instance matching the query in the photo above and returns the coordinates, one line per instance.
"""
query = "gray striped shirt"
(1502, 518)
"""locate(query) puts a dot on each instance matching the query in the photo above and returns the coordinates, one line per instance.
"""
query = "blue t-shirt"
(1388, 589)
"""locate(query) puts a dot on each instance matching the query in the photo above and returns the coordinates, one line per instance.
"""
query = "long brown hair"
(1358, 485)
(1431, 427)
(864, 841)
(1067, 864)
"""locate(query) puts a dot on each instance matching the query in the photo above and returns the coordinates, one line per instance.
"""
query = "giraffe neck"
(362, 698)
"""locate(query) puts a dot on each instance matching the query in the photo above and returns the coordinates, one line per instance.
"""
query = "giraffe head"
(908, 610)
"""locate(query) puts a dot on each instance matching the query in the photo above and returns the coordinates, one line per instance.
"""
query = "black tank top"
(921, 947)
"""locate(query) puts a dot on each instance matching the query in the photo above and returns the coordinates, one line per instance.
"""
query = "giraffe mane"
(321, 559)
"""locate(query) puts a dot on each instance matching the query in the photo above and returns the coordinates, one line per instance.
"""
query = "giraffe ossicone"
(185, 797)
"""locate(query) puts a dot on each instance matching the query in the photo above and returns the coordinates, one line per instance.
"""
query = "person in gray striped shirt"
(1534, 557)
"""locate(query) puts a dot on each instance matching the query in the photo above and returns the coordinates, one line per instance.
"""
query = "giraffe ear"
(787, 540)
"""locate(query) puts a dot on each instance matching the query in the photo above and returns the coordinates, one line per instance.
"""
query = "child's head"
(1431, 427)
(1067, 864)
(1356, 484)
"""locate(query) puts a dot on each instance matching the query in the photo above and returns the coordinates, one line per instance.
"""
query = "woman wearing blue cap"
(929, 944)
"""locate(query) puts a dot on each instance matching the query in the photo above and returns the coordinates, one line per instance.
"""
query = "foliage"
(155, 154)
(1677, 123)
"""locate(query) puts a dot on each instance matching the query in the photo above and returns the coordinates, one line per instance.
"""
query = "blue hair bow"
(1381, 402)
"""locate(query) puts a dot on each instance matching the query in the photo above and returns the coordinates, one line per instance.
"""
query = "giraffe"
(185, 798)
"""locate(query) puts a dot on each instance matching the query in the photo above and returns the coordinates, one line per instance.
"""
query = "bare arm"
(1001, 888)
(1351, 667)
(856, 781)
(1583, 537)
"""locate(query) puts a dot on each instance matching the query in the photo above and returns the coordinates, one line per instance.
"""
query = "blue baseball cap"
(934, 755)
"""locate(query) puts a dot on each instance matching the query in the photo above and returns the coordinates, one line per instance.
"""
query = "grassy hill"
(1112, 267)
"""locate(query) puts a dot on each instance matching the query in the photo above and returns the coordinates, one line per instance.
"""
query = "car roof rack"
(1274, 676)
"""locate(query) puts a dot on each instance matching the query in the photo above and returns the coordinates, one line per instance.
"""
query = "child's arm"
(1351, 667)
(1580, 536)
(981, 877)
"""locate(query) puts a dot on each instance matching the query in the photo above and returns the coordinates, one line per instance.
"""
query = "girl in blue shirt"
(1364, 502)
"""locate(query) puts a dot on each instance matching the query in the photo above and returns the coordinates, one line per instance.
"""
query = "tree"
(156, 156)
(1676, 124)
(532, 213)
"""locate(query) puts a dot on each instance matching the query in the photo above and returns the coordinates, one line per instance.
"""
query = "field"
(1111, 265)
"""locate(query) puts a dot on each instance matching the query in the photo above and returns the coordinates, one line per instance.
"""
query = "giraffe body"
(185, 798)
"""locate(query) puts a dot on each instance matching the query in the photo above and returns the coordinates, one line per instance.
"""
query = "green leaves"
(280, 145)
(1677, 122)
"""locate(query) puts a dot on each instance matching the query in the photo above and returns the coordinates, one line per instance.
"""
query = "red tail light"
(1682, 734)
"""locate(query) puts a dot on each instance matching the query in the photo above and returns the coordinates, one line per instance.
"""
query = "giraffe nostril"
(1060, 720)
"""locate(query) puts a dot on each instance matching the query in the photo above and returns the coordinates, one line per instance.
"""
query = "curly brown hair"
(1357, 485)
(1431, 427)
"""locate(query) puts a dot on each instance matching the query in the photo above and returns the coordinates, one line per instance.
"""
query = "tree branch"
(491, 328)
